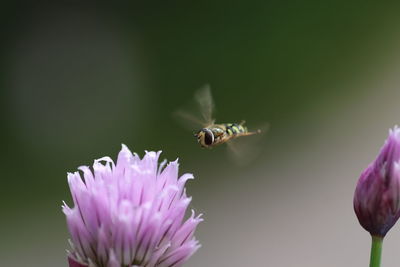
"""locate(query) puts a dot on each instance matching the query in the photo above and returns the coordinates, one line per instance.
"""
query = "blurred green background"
(77, 80)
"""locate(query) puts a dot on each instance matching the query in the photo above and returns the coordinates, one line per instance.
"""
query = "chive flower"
(131, 213)
(377, 195)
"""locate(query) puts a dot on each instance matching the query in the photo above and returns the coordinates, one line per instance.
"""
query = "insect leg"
(250, 133)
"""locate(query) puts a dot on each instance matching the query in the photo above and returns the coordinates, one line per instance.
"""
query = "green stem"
(376, 251)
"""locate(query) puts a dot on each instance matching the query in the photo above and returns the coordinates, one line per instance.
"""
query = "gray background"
(78, 80)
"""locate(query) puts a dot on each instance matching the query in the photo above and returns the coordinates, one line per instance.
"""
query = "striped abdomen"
(235, 128)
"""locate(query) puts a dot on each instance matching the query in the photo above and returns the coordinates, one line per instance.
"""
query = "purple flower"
(377, 195)
(130, 213)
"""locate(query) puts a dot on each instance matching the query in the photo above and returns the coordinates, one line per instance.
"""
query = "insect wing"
(245, 149)
(198, 112)
(188, 120)
(206, 104)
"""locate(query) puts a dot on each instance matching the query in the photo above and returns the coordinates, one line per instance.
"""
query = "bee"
(212, 134)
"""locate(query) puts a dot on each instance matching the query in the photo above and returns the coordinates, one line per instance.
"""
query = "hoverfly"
(216, 134)
(212, 134)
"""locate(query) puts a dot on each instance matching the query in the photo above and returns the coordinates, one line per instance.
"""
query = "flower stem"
(376, 251)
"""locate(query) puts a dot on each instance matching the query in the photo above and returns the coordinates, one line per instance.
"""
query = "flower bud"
(377, 195)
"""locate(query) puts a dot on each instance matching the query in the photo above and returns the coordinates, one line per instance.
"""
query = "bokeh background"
(77, 80)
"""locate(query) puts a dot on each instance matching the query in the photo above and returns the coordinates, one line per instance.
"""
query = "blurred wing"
(188, 120)
(206, 103)
(246, 149)
(198, 112)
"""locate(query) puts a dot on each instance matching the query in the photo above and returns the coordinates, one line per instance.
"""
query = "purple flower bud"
(377, 195)
(130, 213)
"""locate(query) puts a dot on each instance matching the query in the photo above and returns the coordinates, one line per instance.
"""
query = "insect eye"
(208, 137)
